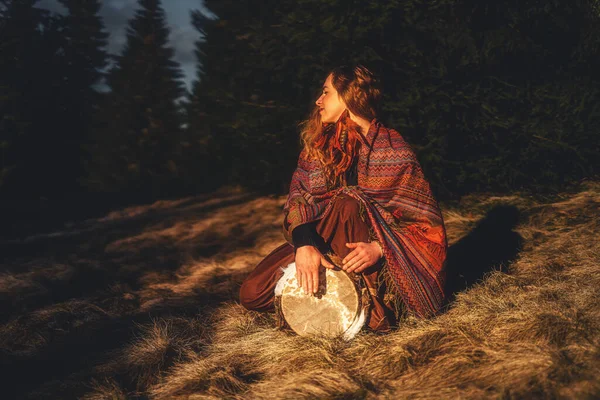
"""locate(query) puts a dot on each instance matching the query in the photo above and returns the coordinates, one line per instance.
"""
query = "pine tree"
(138, 143)
(205, 156)
(85, 60)
(31, 115)
(245, 104)
(30, 43)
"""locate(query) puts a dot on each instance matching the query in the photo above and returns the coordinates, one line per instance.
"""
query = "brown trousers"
(342, 225)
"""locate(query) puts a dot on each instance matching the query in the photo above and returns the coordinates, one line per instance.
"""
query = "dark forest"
(493, 96)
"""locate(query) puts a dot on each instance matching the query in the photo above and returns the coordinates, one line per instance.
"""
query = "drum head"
(333, 311)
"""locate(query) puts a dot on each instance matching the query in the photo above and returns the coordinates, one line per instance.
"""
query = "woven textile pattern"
(401, 209)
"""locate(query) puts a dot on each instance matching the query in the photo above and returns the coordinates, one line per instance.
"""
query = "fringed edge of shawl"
(391, 296)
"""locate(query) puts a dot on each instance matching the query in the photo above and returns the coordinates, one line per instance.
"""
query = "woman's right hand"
(308, 261)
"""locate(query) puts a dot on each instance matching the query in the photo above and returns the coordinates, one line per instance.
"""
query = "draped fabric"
(402, 212)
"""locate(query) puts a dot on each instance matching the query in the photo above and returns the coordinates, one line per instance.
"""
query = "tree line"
(493, 95)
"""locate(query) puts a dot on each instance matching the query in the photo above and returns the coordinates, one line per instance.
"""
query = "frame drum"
(338, 308)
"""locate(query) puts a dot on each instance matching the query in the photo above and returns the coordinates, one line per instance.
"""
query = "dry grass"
(143, 304)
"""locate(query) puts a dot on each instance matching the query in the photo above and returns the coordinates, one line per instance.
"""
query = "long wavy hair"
(336, 145)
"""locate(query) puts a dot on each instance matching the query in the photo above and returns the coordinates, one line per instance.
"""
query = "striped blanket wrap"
(402, 212)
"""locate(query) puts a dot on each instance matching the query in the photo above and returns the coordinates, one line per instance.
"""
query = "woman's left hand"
(362, 257)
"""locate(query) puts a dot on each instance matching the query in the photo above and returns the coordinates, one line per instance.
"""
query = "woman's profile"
(358, 193)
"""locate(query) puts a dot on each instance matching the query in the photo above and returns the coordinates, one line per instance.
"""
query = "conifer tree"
(137, 144)
(205, 154)
(85, 60)
(32, 114)
(244, 105)
(30, 43)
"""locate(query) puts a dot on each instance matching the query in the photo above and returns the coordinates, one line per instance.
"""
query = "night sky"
(116, 13)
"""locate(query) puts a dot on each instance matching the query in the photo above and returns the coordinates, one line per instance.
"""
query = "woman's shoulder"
(391, 138)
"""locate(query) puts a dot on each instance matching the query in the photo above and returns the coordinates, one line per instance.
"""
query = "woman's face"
(330, 104)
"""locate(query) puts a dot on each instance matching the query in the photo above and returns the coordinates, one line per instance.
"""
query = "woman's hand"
(308, 261)
(362, 257)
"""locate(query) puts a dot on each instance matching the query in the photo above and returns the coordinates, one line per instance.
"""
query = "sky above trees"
(116, 13)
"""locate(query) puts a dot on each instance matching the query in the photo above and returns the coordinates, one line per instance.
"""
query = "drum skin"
(334, 310)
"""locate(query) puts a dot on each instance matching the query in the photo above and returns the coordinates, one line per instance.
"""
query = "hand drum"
(336, 309)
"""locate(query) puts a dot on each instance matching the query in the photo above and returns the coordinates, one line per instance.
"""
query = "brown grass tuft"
(106, 390)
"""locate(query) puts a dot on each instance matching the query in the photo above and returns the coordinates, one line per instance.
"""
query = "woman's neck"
(363, 123)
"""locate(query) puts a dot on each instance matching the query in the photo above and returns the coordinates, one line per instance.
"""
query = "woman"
(358, 192)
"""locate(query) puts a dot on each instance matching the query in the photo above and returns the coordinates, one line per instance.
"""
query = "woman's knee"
(347, 207)
(253, 298)
(248, 295)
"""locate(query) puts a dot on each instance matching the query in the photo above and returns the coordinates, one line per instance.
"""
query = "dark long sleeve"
(305, 235)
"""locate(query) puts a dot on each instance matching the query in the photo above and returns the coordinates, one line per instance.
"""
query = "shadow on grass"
(94, 236)
(52, 269)
(79, 336)
(76, 335)
(491, 245)
(68, 302)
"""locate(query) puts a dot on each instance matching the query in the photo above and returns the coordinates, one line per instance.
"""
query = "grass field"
(142, 303)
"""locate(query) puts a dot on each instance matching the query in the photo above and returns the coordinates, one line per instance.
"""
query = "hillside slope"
(143, 304)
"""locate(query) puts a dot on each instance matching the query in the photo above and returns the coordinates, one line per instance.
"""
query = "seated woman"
(358, 192)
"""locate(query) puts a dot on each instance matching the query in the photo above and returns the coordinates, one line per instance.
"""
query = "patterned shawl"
(402, 212)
